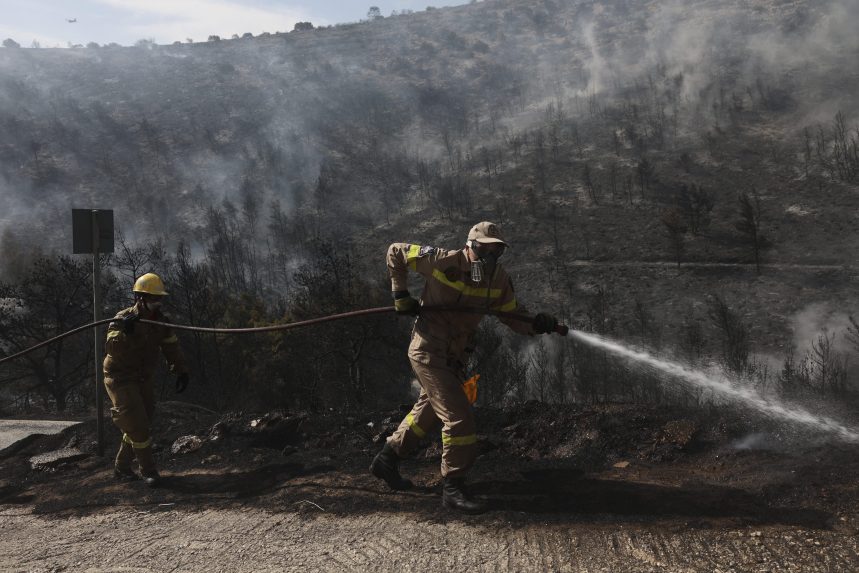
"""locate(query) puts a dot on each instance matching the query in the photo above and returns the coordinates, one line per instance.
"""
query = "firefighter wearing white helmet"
(133, 350)
(439, 351)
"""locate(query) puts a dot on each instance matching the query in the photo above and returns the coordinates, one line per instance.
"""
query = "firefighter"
(132, 355)
(440, 347)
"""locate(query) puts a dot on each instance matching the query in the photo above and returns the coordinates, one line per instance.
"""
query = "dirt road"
(149, 538)
(236, 506)
(12, 431)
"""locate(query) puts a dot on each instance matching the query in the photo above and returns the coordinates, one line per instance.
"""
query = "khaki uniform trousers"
(133, 408)
(442, 403)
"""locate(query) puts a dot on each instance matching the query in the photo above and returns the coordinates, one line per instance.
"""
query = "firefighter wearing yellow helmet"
(439, 351)
(133, 350)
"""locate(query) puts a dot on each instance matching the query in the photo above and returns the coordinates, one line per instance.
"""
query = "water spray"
(722, 385)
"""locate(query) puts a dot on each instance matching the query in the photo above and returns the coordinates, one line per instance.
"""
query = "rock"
(678, 432)
(220, 430)
(52, 460)
(186, 445)
(275, 429)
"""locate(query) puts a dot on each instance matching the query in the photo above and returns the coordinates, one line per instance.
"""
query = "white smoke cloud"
(816, 319)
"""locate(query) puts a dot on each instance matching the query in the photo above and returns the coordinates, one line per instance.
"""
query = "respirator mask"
(486, 261)
(151, 305)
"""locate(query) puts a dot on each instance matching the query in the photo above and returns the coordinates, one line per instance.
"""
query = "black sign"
(82, 221)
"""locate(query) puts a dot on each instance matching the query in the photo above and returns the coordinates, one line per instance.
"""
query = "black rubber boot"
(386, 466)
(148, 469)
(454, 496)
(151, 478)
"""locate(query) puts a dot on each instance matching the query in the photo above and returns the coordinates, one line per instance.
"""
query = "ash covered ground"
(603, 488)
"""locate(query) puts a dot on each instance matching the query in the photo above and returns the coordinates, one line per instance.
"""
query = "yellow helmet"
(150, 283)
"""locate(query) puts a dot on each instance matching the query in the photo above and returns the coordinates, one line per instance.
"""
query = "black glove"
(182, 382)
(545, 323)
(404, 303)
(128, 322)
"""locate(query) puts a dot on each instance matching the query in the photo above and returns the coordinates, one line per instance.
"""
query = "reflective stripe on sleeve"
(412, 256)
(111, 334)
(170, 339)
(136, 445)
(465, 289)
(458, 440)
(508, 306)
(419, 432)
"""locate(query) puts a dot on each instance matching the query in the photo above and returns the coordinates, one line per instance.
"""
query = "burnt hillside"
(643, 157)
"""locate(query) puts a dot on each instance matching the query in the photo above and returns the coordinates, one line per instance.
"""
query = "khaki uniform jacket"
(134, 357)
(447, 338)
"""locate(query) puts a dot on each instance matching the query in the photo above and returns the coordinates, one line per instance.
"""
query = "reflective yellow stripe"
(136, 445)
(464, 289)
(410, 419)
(170, 339)
(458, 440)
(507, 307)
(412, 256)
(111, 334)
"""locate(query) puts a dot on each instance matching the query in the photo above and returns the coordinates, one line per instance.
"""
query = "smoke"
(687, 43)
(598, 69)
(219, 108)
(753, 441)
(818, 319)
(736, 45)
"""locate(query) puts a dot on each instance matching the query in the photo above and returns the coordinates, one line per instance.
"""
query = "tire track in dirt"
(538, 541)
(640, 548)
(380, 542)
(367, 552)
(141, 539)
(140, 531)
(699, 546)
(250, 539)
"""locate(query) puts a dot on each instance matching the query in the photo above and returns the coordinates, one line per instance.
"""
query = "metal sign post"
(92, 232)
(96, 316)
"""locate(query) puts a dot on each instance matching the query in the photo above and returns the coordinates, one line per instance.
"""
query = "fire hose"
(560, 329)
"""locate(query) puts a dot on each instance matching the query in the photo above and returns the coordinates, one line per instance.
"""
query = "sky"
(165, 21)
